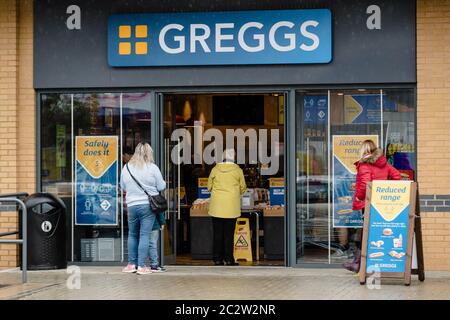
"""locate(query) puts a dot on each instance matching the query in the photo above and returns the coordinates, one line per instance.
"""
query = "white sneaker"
(144, 270)
(130, 268)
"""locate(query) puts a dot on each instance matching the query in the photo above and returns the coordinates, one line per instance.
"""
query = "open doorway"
(195, 128)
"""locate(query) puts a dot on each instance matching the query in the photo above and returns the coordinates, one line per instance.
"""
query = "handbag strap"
(137, 182)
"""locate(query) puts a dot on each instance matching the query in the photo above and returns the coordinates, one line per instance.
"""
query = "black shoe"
(231, 263)
(218, 263)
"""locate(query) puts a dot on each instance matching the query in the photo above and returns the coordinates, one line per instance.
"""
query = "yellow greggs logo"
(133, 38)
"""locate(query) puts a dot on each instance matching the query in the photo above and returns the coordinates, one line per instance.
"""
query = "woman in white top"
(140, 216)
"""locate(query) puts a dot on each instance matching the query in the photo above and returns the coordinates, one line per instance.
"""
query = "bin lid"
(44, 198)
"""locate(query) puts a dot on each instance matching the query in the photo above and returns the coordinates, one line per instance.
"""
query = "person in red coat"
(372, 165)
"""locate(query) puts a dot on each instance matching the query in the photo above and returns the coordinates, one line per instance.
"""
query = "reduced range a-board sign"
(388, 234)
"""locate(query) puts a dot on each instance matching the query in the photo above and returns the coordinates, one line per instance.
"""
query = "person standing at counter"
(372, 165)
(226, 184)
(139, 173)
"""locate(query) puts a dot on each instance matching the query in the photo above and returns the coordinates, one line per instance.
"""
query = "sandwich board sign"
(389, 229)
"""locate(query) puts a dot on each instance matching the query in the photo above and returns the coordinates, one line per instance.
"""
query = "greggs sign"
(220, 38)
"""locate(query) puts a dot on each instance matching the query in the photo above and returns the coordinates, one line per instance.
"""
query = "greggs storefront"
(293, 87)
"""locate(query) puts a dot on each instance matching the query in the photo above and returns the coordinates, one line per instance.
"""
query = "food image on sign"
(397, 255)
(377, 244)
(345, 199)
(376, 255)
(398, 242)
(388, 226)
(345, 211)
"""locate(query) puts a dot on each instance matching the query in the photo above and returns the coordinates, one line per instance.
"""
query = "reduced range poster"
(388, 226)
(96, 178)
(345, 154)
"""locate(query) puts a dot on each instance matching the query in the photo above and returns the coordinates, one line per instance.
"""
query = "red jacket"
(373, 167)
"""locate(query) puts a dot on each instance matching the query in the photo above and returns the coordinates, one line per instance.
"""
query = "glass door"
(312, 176)
(171, 173)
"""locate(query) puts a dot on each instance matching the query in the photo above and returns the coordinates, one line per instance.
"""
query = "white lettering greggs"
(173, 37)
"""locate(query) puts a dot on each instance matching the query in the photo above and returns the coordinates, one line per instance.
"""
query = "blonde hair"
(367, 147)
(143, 154)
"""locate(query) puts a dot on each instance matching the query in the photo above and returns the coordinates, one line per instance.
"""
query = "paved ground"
(230, 283)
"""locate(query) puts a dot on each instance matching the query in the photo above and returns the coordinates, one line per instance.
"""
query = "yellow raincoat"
(226, 184)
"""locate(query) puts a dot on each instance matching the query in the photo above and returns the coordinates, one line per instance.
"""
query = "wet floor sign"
(242, 240)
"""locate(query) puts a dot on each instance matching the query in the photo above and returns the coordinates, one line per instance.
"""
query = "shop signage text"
(220, 38)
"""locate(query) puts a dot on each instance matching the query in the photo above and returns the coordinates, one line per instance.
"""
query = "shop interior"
(188, 237)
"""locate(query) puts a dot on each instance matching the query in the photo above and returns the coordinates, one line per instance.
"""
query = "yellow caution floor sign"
(242, 240)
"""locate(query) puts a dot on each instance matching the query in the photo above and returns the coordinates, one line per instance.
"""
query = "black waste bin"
(46, 232)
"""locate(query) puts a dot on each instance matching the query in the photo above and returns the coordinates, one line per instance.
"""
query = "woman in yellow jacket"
(226, 184)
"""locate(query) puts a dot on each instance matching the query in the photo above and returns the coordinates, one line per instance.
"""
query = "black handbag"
(157, 203)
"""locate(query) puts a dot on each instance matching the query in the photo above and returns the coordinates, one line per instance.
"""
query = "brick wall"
(436, 240)
(17, 111)
(433, 128)
(26, 135)
(8, 96)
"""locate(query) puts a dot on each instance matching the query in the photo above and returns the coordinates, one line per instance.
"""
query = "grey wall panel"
(78, 58)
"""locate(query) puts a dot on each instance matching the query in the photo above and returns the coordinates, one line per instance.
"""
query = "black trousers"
(223, 242)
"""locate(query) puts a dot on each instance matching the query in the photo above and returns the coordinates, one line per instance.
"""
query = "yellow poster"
(96, 154)
(352, 109)
(390, 198)
(276, 182)
(345, 153)
(346, 149)
(202, 182)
